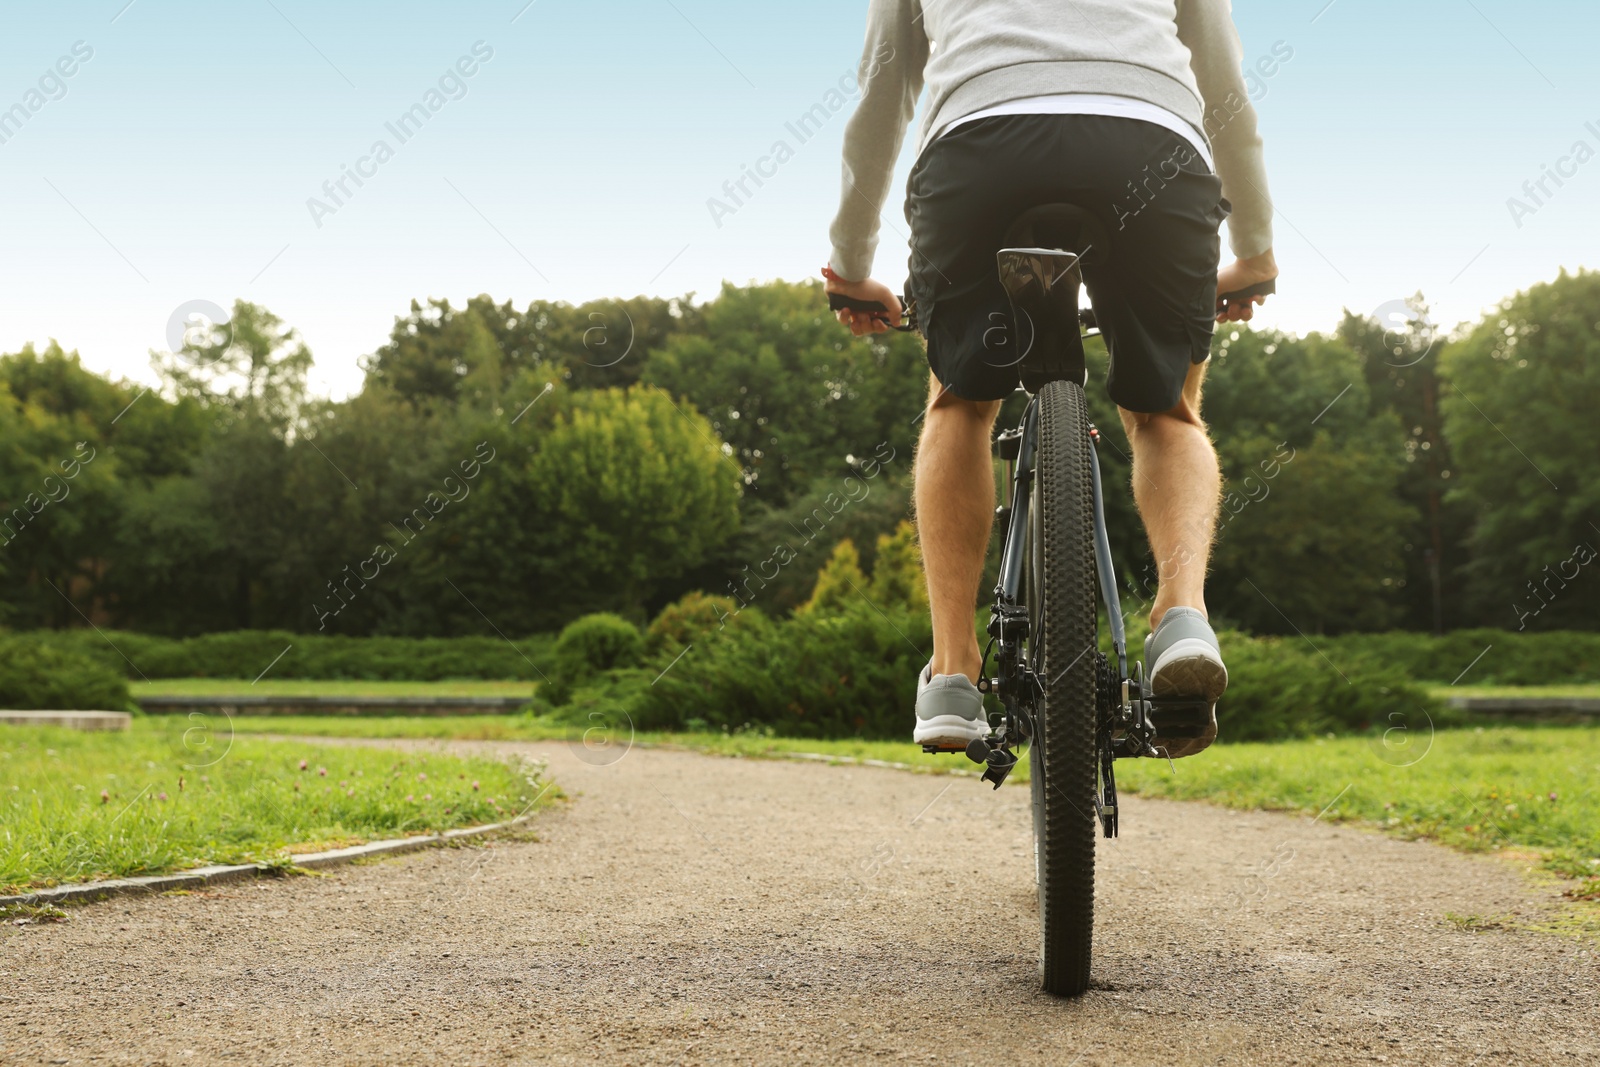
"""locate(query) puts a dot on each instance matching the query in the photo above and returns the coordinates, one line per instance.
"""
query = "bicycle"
(1077, 709)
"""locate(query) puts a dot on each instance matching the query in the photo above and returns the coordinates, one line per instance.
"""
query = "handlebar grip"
(1266, 288)
(840, 302)
(908, 315)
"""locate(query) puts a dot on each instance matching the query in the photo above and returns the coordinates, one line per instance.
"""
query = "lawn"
(1479, 789)
(212, 687)
(1474, 788)
(171, 794)
(527, 728)
(1571, 689)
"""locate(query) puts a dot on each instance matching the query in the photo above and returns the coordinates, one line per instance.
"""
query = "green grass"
(169, 795)
(526, 728)
(1478, 789)
(448, 727)
(209, 687)
(1573, 689)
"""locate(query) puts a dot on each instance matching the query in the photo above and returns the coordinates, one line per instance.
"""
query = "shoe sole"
(1190, 669)
(949, 729)
(1179, 747)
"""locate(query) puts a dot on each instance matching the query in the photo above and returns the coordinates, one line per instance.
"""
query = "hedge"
(1556, 657)
(38, 676)
(247, 653)
(853, 674)
(847, 675)
(841, 675)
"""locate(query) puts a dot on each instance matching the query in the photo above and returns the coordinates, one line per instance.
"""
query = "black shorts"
(1153, 293)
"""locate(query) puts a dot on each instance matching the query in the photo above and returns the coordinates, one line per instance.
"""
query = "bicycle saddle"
(1041, 270)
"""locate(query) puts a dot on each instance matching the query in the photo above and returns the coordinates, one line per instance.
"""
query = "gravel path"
(685, 909)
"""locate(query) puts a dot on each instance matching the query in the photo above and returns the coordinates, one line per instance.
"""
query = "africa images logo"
(51, 85)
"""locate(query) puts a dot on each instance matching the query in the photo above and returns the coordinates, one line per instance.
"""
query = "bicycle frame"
(1123, 712)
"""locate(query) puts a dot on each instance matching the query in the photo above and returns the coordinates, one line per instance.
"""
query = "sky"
(176, 162)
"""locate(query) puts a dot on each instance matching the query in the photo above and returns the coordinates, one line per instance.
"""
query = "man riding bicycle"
(1122, 107)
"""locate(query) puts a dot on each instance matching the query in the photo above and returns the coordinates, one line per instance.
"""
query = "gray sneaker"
(949, 710)
(1182, 660)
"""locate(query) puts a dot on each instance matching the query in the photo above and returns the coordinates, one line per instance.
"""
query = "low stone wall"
(1531, 707)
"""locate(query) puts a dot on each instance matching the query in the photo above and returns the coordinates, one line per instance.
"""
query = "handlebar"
(876, 308)
(1266, 288)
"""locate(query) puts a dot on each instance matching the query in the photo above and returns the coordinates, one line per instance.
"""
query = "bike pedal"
(999, 761)
(944, 748)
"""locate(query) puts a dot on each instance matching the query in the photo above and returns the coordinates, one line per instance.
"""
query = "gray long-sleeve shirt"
(1182, 55)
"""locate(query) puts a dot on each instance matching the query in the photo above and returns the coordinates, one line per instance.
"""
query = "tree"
(439, 355)
(597, 344)
(170, 570)
(58, 507)
(249, 375)
(786, 386)
(367, 486)
(1521, 390)
(439, 352)
(1314, 549)
(776, 556)
(1401, 357)
(243, 477)
(78, 447)
(1311, 525)
(252, 366)
(593, 500)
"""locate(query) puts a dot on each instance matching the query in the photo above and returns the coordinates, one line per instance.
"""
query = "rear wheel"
(1061, 592)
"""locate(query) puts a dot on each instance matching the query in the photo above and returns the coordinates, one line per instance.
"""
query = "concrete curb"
(72, 720)
(200, 877)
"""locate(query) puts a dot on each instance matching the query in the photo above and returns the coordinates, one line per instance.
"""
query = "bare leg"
(1176, 484)
(955, 509)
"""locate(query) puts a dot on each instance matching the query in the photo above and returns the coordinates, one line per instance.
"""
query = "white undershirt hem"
(1094, 104)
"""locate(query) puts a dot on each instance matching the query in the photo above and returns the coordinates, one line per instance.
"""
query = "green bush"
(1279, 687)
(1555, 657)
(589, 647)
(839, 582)
(845, 666)
(35, 676)
(606, 701)
(850, 674)
(686, 620)
(247, 653)
(897, 574)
